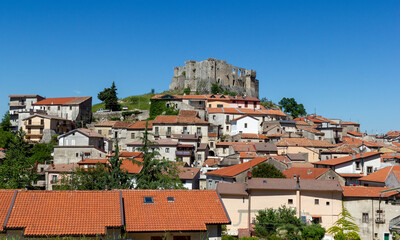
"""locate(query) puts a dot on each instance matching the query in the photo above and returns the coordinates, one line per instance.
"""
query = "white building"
(244, 124)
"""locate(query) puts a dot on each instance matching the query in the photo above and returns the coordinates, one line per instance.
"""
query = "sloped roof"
(141, 125)
(355, 133)
(349, 123)
(62, 101)
(190, 210)
(342, 148)
(234, 170)
(303, 142)
(47, 116)
(158, 142)
(58, 213)
(246, 111)
(341, 160)
(89, 132)
(248, 154)
(393, 134)
(358, 142)
(105, 124)
(244, 147)
(210, 162)
(291, 184)
(312, 130)
(122, 124)
(305, 173)
(6, 197)
(131, 167)
(188, 173)
(62, 167)
(253, 136)
(237, 189)
(265, 147)
(381, 175)
(188, 113)
(367, 192)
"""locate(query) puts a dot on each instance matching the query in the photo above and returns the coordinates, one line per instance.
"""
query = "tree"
(156, 173)
(344, 228)
(265, 170)
(18, 170)
(291, 107)
(109, 97)
(313, 231)
(5, 124)
(216, 89)
(5, 132)
(186, 91)
(118, 178)
(41, 152)
(269, 104)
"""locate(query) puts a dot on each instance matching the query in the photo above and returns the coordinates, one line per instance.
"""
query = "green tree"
(5, 124)
(265, 170)
(118, 178)
(216, 89)
(109, 97)
(5, 132)
(41, 152)
(314, 232)
(186, 91)
(344, 227)
(17, 170)
(156, 173)
(290, 106)
(91, 178)
(269, 104)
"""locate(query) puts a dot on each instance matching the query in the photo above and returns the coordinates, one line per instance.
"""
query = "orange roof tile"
(141, 125)
(60, 213)
(6, 197)
(381, 175)
(132, 167)
(336, 161)
(248, 155)
(253, 136)
(352, 175)
(361, 191)
(232, 143)
(303, 142)
(92, 161)
(396, 144)
(349, 123)
(342, 148)
(212, 134)
(105, 124)
(355, 133)
(62, 101)
(210, 162)
(305, 173)
(201, 97)
(122, 124)
(188, 113)
(190, 210)
(234, 170)
(188, 172)
(358, 142)
(310, 129)
(302, 123)
(393, 134)
(275, 112)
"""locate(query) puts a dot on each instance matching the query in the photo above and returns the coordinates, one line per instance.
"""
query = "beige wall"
(236, 206)
(34, 128)
(313, 156)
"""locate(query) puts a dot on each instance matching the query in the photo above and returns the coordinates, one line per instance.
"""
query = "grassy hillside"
(134, 102)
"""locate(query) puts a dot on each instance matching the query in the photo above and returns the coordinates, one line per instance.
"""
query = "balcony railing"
(17, 104)
(183, 153)
(380, 220)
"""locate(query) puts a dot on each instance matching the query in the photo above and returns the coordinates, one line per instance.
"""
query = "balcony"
(380, 220)
(156, 134)
(17, 104)
(183, 153)
(34, 125)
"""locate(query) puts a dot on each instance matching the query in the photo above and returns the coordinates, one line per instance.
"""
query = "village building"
(313, 173)
(384, 177)
(21, 107)
(166, 147)
(308, 147)
(349, 126)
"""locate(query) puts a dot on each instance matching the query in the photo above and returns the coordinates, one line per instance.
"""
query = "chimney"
(298, 182)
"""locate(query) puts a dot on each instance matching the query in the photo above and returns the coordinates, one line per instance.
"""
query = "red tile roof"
(349, 123)
(381, 175)
(89, 132)
(358, 142)
(355, 133)
(6, 197)
(190, 210)
(337, 161)
(188, 113)
(342, 148)
(105, 124)
(132, 167)
(361, 191)
(234, 170)
(212, 134)
(393, 134)
(188, 173)
(310, 129)
(253, 136)
(141, 125)
(59, 213)
(122, 124)
(305, 173)
(351, 175)
(248, 155)
(211, 162)
(62, 101)
(303, 142)
(246, 111)
(244, 147)
(165, 119)
(92, 161)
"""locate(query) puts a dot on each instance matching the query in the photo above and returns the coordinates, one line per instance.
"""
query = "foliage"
(290, 106)
(109, 97)
(129, 113)
(186, 91)
(156, 173)
(152, 91)
(344, 227)
(216, 89)
(159, 107)
(5, 124)
(265, 170)
(269, 104)
(5, 132)
(17, 170)
(41, 152)
(314, 231)
(118, 178)
(249, 238)
(228, 237)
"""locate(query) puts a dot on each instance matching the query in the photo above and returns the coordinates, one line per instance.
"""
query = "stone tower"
(199, 76)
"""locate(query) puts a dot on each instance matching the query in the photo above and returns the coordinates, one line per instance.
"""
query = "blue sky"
(339, 58)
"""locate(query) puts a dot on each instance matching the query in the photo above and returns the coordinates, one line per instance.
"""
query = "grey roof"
(202, 147)
(265, 147)
(296, 157)
(231, 189)
(291, 184)
(46, 116)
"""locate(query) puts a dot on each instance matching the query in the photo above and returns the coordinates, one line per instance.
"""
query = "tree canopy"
(269, 104)
(109, 97)
(265, 170)
(290, 106)
(345, 228)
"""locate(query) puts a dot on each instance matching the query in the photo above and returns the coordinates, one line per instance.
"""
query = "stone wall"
(106, 116)
(199, 76)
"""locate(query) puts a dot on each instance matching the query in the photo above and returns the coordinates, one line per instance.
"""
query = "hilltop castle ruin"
(199, 76)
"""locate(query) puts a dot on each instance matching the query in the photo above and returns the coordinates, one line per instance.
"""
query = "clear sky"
(339, 58)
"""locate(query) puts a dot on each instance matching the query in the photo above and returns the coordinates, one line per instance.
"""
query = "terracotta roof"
(141, 125)
(126, 154)
(248, 155)
(212, 134)
(59, 213)
(88, 132)
(131, 167)
(201, 97)
(253, 136)
(211, 162)
(122, 124)
(302, 123)
(337, 161)
(310, 129)
(234, 170)
(232, 143)
(358, 142)
(296, 157)
(303, 142)
(291, 184)
(342, 148)
(305, 173)
(92, 161)
(393, 134)
(349, 123)
(361, 191)
(188, 113)
(6, 197)
(188, 173)
(275, 112)
(189, 211)
(237, 189)
(283, 159)
(396, 144)
(351, 175)
(62, 101)
(244, 147)
(105, 124)
(355, 133)
(302, 164)
(381, 175)
(166, 119)
(265, 147)
(243, 116)
(167, 96)
(62, 167)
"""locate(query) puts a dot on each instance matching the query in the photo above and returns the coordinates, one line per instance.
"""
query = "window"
(246, 104)
(169, 131)
(132, 135)
(199, 156)
(209, 105)
(170, 199)
(30, 121)
(220, 106)
(358, 166)
(109, 132)
(54, 178)
(290, 201)
(365, 218)
(70, 107)
(148, 200)
(369, 170)
(245, 125)
(41, 121)
(199, 131)
(211, 144)
(99, 131)
(227, 128)
(58, 108)
(167, 150)
(214, 117)
(328, 203)
(316, 201)
(156, 132)
(77, 154)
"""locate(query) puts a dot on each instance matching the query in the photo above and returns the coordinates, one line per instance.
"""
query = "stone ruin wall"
(199, 76)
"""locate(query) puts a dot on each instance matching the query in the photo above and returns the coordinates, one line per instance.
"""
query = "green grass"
(134, 102)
